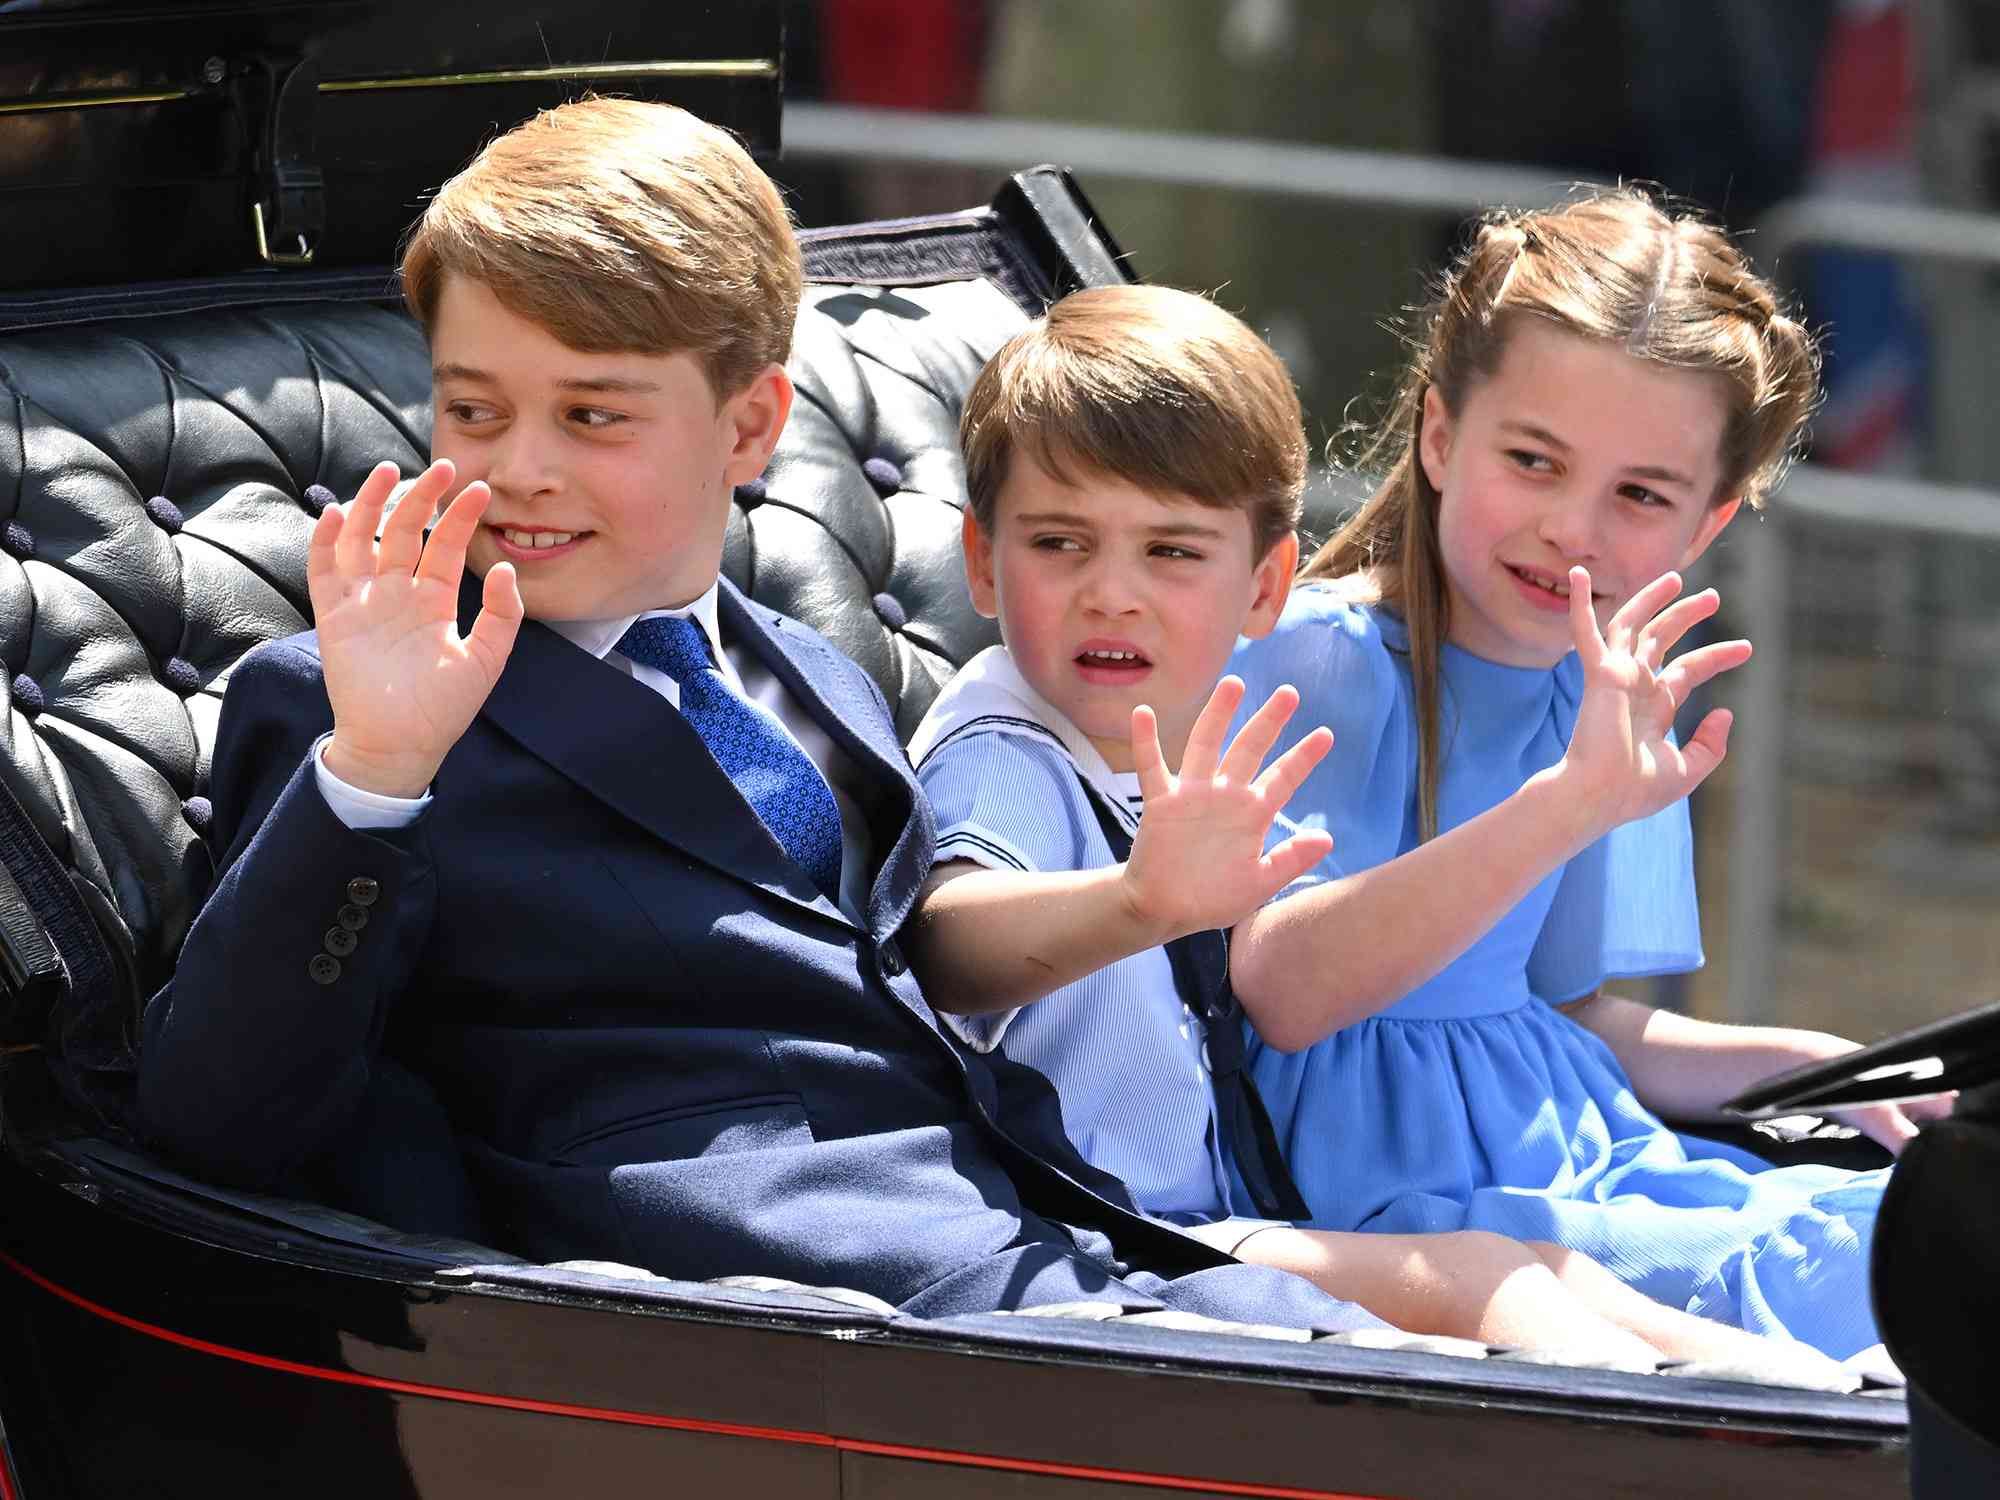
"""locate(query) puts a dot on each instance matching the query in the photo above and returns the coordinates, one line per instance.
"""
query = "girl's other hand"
(1891, 1126)
(1620, 752)
(1894, 1126)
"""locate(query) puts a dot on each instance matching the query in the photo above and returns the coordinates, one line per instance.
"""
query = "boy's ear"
(1434, 445)
(756, 416)
(1717, 517)
(978, 548)
(1273, 580)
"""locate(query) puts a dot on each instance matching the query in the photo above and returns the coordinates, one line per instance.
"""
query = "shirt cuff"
(358, 809)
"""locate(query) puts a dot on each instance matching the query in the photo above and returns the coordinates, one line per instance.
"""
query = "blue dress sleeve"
(1348, 679)
(1625, 908)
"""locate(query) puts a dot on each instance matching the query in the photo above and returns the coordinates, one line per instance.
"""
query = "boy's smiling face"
(1109, 596)
(611, 473)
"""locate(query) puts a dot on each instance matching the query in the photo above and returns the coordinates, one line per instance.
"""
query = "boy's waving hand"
(402, 681)
(1199, 859)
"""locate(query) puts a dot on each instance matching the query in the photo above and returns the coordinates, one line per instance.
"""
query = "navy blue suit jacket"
(596, 1012)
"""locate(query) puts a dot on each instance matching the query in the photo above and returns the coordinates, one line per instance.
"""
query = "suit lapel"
(627, 746)
(827, 685)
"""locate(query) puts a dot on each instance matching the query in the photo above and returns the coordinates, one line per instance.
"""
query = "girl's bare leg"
(1468, 1284)
(1677, 1334)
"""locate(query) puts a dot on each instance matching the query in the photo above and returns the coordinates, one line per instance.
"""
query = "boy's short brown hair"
(1159, 388)
(621, 226)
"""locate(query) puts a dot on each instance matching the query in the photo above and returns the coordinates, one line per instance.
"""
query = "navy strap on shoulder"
(1201, 974)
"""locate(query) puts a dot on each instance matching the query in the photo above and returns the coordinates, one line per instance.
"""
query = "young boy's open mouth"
(1112, 662)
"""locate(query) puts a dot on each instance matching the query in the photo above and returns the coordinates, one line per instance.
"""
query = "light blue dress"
(1471, 1103)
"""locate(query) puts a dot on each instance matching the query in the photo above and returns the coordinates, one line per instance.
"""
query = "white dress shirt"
(745, 675)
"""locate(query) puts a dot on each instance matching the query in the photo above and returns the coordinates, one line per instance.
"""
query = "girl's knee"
(1572, 1267)
(1487, 1257)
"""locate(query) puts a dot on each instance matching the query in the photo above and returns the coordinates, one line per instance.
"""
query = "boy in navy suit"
(559, 884)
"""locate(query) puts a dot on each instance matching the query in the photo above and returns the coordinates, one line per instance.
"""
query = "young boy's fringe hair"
(1159, 388)
(621, 226)
(1614, 266)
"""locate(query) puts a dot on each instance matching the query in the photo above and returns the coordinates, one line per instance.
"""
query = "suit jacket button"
(352, 917)
(324, 968)
(892, 959)
(340, 942)
(362, 890)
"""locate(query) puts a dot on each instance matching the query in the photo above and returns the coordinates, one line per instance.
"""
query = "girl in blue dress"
(1599, 389)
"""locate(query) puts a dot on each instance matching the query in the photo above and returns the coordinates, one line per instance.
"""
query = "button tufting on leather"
(751, 493)
(199, 813)
(889, 610)
(178, 673)
(18, 540)
(166, 515)
(28, 695)
(317, 498)
(884, 475)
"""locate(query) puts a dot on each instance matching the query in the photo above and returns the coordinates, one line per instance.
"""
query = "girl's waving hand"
(1621, 748)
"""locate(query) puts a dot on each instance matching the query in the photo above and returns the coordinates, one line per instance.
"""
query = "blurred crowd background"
(1850, 850)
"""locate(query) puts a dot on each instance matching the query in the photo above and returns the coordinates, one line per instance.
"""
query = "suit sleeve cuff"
(358, 809)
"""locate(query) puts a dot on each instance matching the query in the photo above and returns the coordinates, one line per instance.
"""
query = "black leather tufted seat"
(855, 526)
(159, 477)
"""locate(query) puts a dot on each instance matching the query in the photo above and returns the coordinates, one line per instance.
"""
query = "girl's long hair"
(1613, 265)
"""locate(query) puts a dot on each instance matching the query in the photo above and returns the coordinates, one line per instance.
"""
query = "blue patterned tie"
(774, 775)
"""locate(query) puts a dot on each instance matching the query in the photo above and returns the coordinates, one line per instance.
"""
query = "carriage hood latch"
(278, 100)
